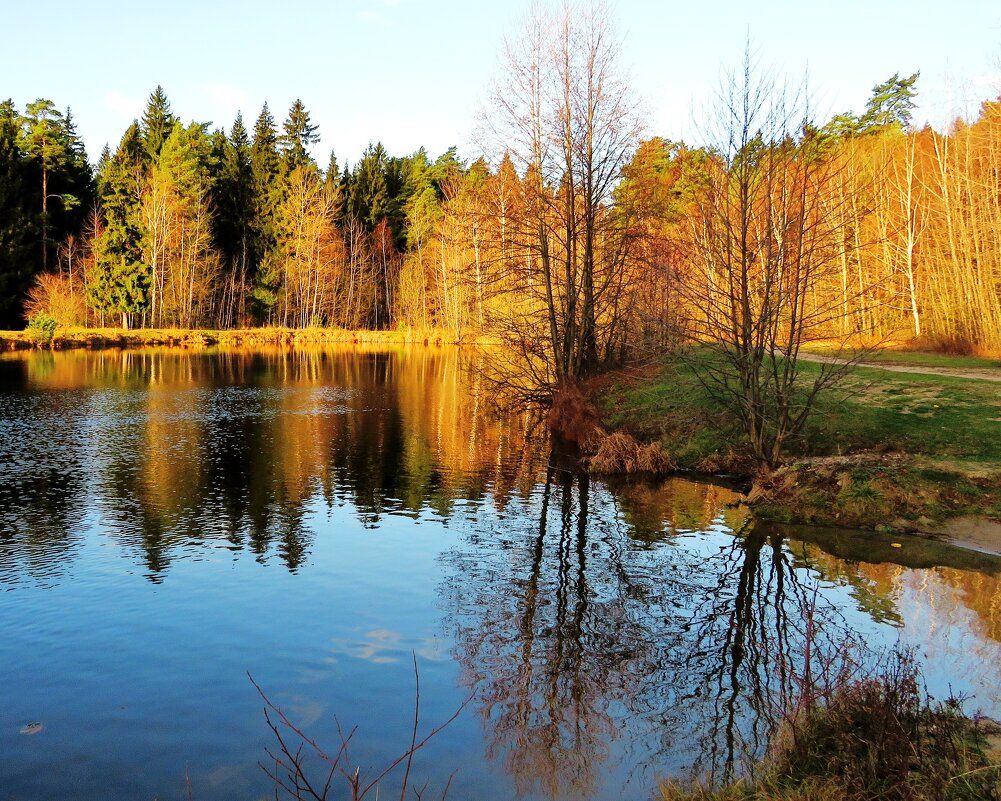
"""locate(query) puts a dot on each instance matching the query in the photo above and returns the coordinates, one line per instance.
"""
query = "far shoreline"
(196, 338)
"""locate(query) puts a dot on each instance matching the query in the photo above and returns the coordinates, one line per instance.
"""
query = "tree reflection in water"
(750, 631)
(538, 642)
(41, 480)
(613, 631)
(576, 629)
(168, 451)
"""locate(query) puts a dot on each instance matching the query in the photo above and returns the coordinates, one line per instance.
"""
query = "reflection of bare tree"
(744, 630)
(544, 648)
(946, 600)
(580, 636)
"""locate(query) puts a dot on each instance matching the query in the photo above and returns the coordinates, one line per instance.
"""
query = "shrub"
(573, 417)
(303, 770)
(42, 327)
(55, 296)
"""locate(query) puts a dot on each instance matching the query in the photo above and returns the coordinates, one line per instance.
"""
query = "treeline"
(932, 232)
(903, 225)
(189, 227)
(578, 238)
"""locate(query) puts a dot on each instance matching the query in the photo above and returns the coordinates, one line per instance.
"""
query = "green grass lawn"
(942, 418)
(921, 447)
(936, 416)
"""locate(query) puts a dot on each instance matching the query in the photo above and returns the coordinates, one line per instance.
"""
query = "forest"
(577, 234)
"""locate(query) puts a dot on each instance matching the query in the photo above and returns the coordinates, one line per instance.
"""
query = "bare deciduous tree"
(766, 239)
(564, 114)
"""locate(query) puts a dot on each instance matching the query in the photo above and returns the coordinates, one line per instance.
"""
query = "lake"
(172, 523)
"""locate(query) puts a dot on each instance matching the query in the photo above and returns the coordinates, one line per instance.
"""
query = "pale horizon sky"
(414, 73)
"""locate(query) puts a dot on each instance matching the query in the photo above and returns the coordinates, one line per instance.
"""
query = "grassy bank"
(200, 338)
(872, 738)
(903, 450)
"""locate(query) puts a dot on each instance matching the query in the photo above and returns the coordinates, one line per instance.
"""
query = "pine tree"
(78, 153)
(157, 123)
(74, 184)
(299, 136)
(265, 163)
(334, 184)
(120, 281)
(190, 159)
(332, 175)
(422, 201)
(891, 104)
(233, 198)
(368, 195)
(178, 229)
(48, 150)
(102, 165)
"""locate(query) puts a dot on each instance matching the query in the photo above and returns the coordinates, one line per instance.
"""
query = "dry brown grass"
(80, 337)
(619, 454)
(950, 345)
(729, 461)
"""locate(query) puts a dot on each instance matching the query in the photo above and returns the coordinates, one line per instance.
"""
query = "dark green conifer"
(120, 283)
(16, 264)
(891, 104)
(298, 137)
(233, 198)
(157, 123)
(265, 164)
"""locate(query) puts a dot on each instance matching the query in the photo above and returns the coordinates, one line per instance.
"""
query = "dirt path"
(949, 372)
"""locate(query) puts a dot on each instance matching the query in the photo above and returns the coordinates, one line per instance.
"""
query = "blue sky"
(415, 72)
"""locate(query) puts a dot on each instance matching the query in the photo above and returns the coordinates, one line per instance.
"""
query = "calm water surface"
(171, 522)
